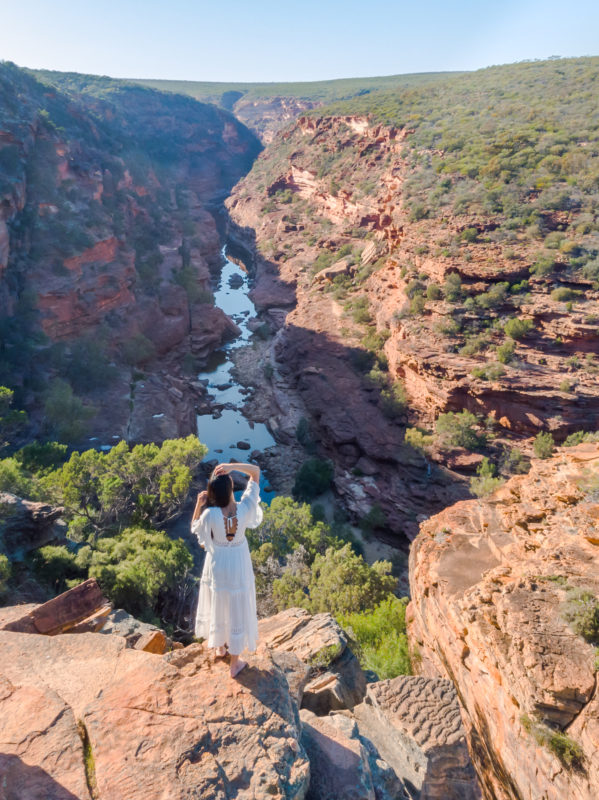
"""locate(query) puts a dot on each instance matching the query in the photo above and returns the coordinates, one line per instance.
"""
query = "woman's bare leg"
(237, 664)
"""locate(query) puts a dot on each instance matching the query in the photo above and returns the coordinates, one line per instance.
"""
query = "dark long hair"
(220, 490)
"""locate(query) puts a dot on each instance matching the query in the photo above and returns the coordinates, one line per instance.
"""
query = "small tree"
(543, 445)
(314, 478)
(518, 328)
(460, 430)
(342, 582)
(486, 481)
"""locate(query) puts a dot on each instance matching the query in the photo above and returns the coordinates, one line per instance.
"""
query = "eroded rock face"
(26, 525)
(173, 726)
(335, 680)
(415, 724)
(490, 581)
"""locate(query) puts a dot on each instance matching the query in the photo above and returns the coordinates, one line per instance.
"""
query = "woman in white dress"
(226, 615)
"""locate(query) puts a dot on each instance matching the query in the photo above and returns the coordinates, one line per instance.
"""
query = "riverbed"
(227, 432)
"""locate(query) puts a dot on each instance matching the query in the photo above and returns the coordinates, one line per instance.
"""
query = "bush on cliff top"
(380, 637)
(135, 569)
(143, 485)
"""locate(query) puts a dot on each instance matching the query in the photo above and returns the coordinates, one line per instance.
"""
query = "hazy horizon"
(268, 43)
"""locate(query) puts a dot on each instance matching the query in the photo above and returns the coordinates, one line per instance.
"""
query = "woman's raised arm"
(251, 470)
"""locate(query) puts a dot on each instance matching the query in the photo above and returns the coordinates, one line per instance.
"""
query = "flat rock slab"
(41, 751)
(173, 726)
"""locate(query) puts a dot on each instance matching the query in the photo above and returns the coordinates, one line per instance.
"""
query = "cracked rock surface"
(492, 582)
(173, 726)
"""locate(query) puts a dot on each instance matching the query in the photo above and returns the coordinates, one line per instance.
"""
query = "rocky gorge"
(383, 307)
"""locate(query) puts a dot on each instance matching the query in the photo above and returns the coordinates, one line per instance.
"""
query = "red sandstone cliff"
(330, 190)
(493, 584)
(105, 234)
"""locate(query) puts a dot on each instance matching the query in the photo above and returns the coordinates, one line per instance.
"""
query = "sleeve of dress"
(250, 502)
(201, 528)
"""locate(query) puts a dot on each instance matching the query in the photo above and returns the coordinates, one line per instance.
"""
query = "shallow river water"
(221, 434)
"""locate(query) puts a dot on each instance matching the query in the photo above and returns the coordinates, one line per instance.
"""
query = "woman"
(226, 614)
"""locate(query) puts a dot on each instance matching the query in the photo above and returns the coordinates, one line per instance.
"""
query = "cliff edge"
(504, 603)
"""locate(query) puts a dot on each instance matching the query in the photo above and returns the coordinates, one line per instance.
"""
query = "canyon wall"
(106, 234)
(498, 599)
(354, 282)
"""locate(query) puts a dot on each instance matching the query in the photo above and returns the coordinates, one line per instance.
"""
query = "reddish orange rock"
(490, 581)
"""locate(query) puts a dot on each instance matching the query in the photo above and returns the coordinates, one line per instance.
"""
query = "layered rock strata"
(499, 590)
(330, 185)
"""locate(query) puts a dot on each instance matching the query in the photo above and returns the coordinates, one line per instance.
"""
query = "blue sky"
(285, 41)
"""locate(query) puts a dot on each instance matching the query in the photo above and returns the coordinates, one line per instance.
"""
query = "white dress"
(227, 604)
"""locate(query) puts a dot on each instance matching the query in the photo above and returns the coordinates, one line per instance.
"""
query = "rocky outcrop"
(93, 718)
(335, 680)
(26, 525)
(494, 606)
(133, 721)
(415, 724)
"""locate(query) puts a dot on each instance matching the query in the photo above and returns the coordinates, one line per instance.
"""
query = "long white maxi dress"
(227, 604)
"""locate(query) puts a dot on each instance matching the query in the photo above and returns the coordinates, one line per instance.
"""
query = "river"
(223, 430)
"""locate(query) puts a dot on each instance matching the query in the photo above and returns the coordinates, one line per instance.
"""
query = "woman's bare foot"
(221, 651)
(237, 664)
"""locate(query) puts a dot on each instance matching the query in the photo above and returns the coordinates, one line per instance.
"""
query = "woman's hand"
(202, 498)
(221, 469)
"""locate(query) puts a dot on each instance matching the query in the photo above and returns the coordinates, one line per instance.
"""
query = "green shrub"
(475, 344)
(581, 611)
(514, 462)
(343, 583)
(138, 350)
(380, 635)
(469, 235)
(14, 479)
(569, 752)
(41, 457)
(486, 481)
(418, 439)
(393, 401)
(418, 212)
(142, 486)
(452, 288)
(505, 351)
(66, 416)
(581, 436)
(518, 328)
(374, 519)
(313, 478)
(459, 430)
(543, 266)
(563, 294)
(543, 445)
(136, 566)
(5, 573)
(433, 292)
(490, 372)
(12, 421)
(493, 297)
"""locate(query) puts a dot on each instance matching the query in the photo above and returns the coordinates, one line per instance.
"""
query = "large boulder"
(336, 680)
(87, 711)
(491, 582)
(26, 526)
(415, 725)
